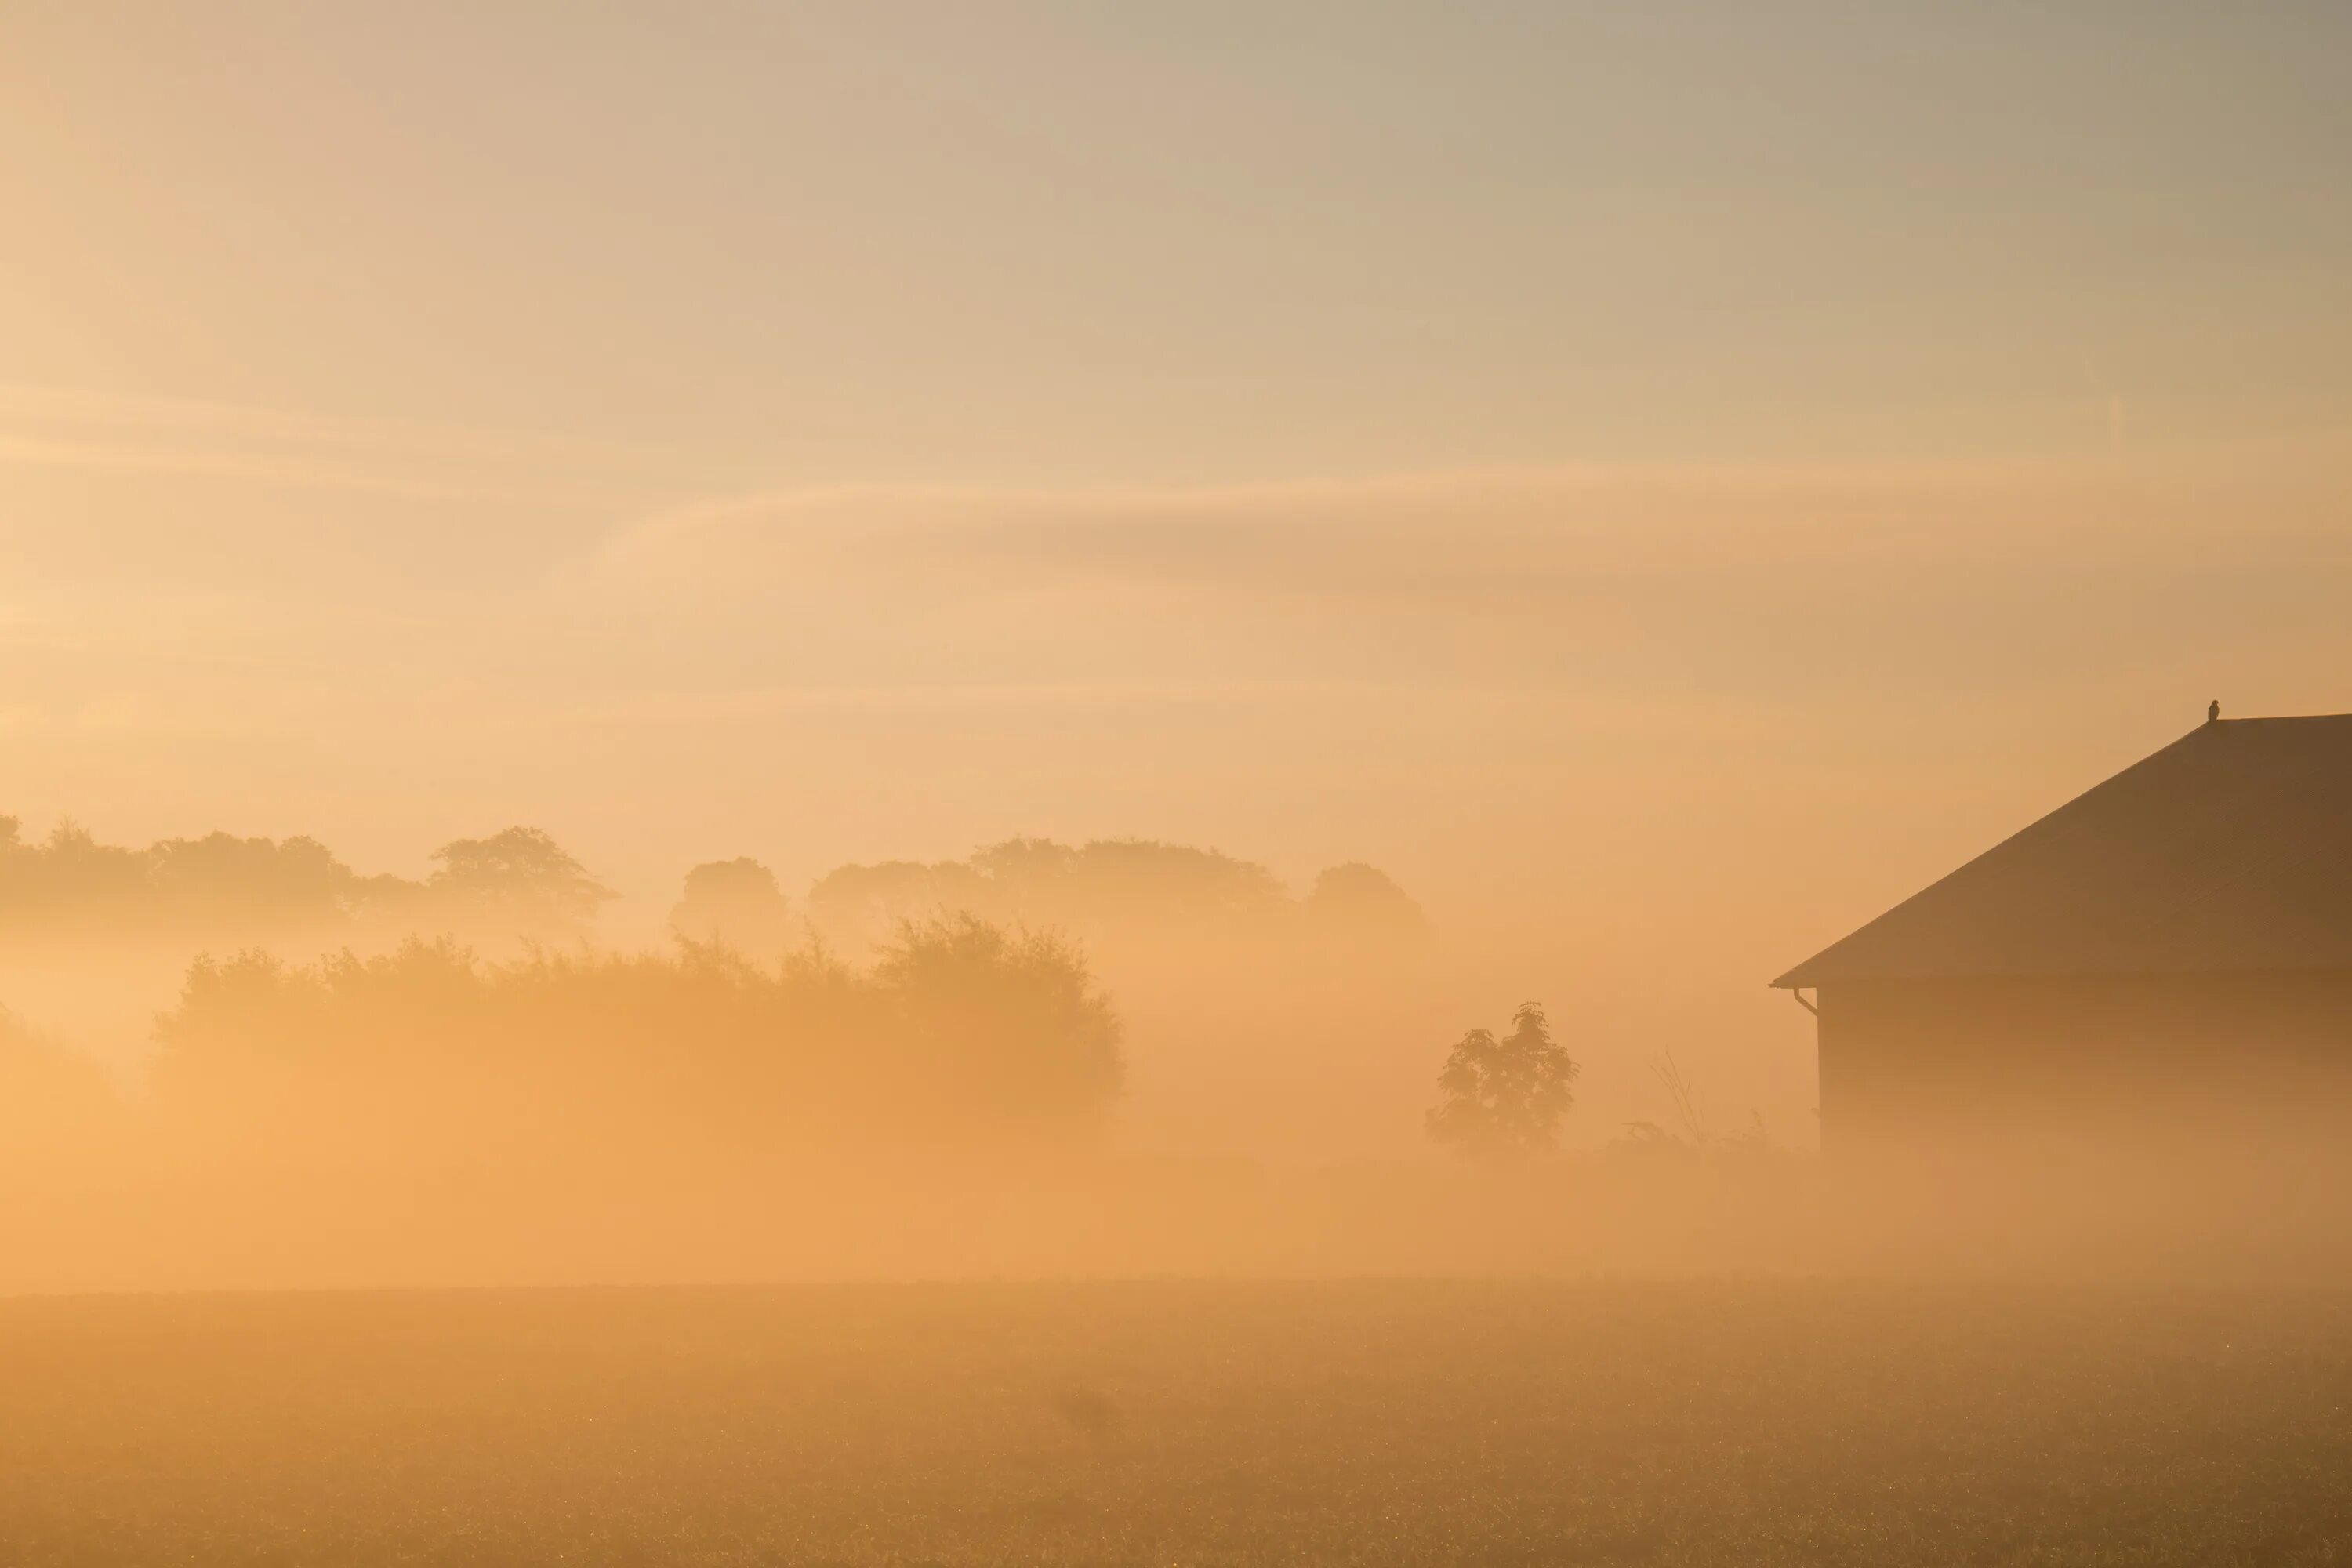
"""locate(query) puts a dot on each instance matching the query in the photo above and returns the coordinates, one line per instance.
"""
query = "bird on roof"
(2212, 710)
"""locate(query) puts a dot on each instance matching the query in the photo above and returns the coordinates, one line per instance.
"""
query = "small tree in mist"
(1505, 1097)
(1357, 900)
(1006, 1023)
(520, 881)
(731, 903)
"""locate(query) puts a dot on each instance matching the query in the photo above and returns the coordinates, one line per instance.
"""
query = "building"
(2166, 957)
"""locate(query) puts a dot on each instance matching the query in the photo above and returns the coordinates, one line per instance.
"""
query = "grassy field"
(1180, 1424)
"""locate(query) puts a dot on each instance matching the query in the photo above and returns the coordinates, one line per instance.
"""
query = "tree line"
(1116, 888)
(428, 1055)
(222, 889)
(470, 1008)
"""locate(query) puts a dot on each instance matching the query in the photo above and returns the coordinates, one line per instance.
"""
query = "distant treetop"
(222, 889)
(732, 903)
(1108, 887)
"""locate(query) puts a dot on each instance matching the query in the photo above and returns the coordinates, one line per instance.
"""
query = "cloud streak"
(1692, 576)
(45, 426)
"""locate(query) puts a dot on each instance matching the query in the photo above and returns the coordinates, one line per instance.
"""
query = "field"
(1607, 1422)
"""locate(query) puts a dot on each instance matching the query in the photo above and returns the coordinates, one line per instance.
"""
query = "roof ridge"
(2191, 858)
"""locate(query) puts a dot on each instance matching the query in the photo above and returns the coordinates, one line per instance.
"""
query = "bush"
(960, 1029)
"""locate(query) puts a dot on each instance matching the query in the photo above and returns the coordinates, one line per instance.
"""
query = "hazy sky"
(1690, 471)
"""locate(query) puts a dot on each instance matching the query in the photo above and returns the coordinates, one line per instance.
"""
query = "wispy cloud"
(1634, 581)
(80, 407)
(46, 427)
(224, 463)
(1436, 534)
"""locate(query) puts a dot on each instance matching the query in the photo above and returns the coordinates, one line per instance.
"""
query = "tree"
(249, 885)
(519, 880)
(1361, 900)
(1007, 1024)
(962, 1028)
(1506, 1097)
(859, 907)
(731, 903)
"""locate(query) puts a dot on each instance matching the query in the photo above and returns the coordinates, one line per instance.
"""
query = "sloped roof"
(2230, 850)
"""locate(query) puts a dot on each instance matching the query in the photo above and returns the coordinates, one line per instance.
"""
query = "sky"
(1666, 481)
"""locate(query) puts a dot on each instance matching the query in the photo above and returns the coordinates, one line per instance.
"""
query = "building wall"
(2160, 1063)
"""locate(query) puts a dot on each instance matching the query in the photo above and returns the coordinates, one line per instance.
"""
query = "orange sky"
(1665, 485)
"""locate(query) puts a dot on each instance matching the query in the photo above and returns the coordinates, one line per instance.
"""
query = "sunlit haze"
(1662, 483)
(1251, 785)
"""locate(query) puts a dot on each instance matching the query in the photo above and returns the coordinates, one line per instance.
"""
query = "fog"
(886, 782)
(242, 1063)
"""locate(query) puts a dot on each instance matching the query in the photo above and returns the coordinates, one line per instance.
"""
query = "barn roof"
(2230, 850)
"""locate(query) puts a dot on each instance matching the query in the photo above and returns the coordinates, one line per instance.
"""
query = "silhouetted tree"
(1107, 888)
(861, 906)
(962, 1028)
(1505, 1097)
(1026, 863)
(520, 881)
(70, 879)
(1361, 898)
(1138, 883)
(1006, 1023)
(731, 903)
(217, 886)
(250, 884)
